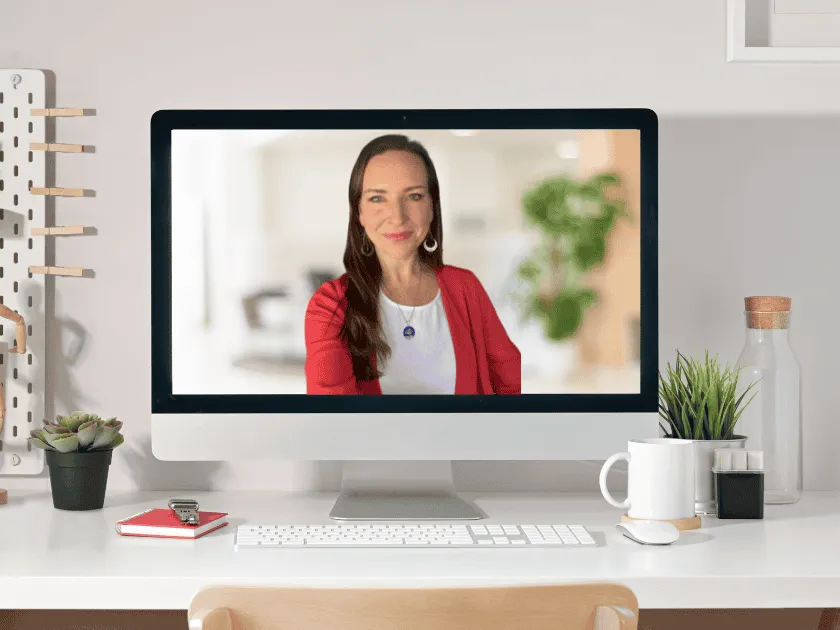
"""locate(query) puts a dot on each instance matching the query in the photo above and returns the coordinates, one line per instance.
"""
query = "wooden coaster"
(681, 524)
(4, 496)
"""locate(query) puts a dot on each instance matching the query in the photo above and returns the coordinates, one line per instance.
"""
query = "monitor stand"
(400, 491)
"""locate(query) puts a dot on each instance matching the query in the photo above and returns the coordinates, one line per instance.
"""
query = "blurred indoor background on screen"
(548, 220)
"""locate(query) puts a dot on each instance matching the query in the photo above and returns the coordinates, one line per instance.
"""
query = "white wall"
(746, 204)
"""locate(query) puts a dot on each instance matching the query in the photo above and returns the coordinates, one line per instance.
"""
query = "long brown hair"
(362, 329)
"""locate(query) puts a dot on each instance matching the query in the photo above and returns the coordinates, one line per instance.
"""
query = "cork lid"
(767, 304)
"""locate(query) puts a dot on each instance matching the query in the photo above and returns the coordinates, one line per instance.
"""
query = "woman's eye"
(375, 198)
(416, 196)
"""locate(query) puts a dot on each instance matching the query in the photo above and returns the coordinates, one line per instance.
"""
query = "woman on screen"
(400, 321)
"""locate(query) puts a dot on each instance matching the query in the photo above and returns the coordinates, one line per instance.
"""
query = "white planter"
(559, 358)
(704, 486)
(543, 360)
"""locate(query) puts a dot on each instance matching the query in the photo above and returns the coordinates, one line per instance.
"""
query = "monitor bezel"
(164, 122)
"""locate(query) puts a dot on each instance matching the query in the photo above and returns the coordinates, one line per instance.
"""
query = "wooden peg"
(58, 271)
(57, 147)
(67, 148)
(4, 496)
(58, 230)
(58, 111)
(58, 192)
(68, 192)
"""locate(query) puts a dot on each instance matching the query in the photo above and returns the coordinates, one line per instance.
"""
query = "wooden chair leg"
(830, 619)
(216, 619)
(614, 618)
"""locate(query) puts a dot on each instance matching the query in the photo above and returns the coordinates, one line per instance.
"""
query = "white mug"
(660, 479)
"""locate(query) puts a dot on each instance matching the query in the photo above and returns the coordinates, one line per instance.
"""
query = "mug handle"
(603, 480)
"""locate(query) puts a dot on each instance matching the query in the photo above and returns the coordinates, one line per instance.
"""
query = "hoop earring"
(366, 251)
(430, 248)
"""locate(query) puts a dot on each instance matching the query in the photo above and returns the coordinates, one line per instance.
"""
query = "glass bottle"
(772, 422)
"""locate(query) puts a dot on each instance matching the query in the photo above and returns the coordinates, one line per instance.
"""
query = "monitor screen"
(403, 261)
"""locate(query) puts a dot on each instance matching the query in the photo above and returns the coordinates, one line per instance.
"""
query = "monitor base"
(395, 491)
(360, 506)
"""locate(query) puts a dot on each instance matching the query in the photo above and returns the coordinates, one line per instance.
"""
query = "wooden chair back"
(593, 606)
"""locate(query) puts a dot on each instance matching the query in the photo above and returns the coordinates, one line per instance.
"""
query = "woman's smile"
(397, 236)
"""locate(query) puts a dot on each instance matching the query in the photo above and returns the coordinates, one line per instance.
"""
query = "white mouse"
(649, 532)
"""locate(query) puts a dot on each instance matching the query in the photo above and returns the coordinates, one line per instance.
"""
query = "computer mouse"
(649, 532)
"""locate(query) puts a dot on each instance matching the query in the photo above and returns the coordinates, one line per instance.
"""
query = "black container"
(78, 479)
(740, 493)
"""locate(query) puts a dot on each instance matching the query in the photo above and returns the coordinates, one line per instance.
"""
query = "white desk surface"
(50, 559)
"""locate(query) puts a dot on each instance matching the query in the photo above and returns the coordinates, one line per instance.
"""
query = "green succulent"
(700, 399)
(79, 432)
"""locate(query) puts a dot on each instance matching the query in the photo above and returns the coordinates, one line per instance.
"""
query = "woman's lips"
(398, 236)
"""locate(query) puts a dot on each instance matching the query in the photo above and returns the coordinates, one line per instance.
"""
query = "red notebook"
(164, 523)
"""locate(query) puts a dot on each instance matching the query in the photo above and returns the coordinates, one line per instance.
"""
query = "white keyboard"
(402, 534)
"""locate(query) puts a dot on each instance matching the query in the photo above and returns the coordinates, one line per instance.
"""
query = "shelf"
(737, 50)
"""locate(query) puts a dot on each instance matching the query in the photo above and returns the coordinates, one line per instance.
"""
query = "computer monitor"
(404, 286)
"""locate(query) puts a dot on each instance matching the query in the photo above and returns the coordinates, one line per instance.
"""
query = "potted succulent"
(574, 218)
(79, 448)
(702, 401)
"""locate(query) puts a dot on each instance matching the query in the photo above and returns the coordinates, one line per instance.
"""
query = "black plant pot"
(78, 479)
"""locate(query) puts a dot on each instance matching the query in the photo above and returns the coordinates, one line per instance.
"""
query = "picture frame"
(737, 50)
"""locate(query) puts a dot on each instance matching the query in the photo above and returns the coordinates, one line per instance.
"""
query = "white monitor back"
(572, 436)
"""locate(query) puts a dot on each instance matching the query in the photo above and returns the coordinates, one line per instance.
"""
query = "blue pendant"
(408, 332)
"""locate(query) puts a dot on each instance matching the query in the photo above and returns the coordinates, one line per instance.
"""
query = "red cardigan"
(486, 360)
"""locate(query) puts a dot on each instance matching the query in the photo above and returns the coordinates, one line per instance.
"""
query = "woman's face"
(395, 209)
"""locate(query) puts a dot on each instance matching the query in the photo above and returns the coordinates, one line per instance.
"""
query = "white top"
(75, 560)
(424, 364)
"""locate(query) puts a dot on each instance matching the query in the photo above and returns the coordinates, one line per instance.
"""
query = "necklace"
(408, 331)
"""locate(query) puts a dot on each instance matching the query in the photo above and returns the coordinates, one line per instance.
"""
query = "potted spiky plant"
(78, 452)
(702, 401)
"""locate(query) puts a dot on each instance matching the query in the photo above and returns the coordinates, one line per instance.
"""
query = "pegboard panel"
(20, 169)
